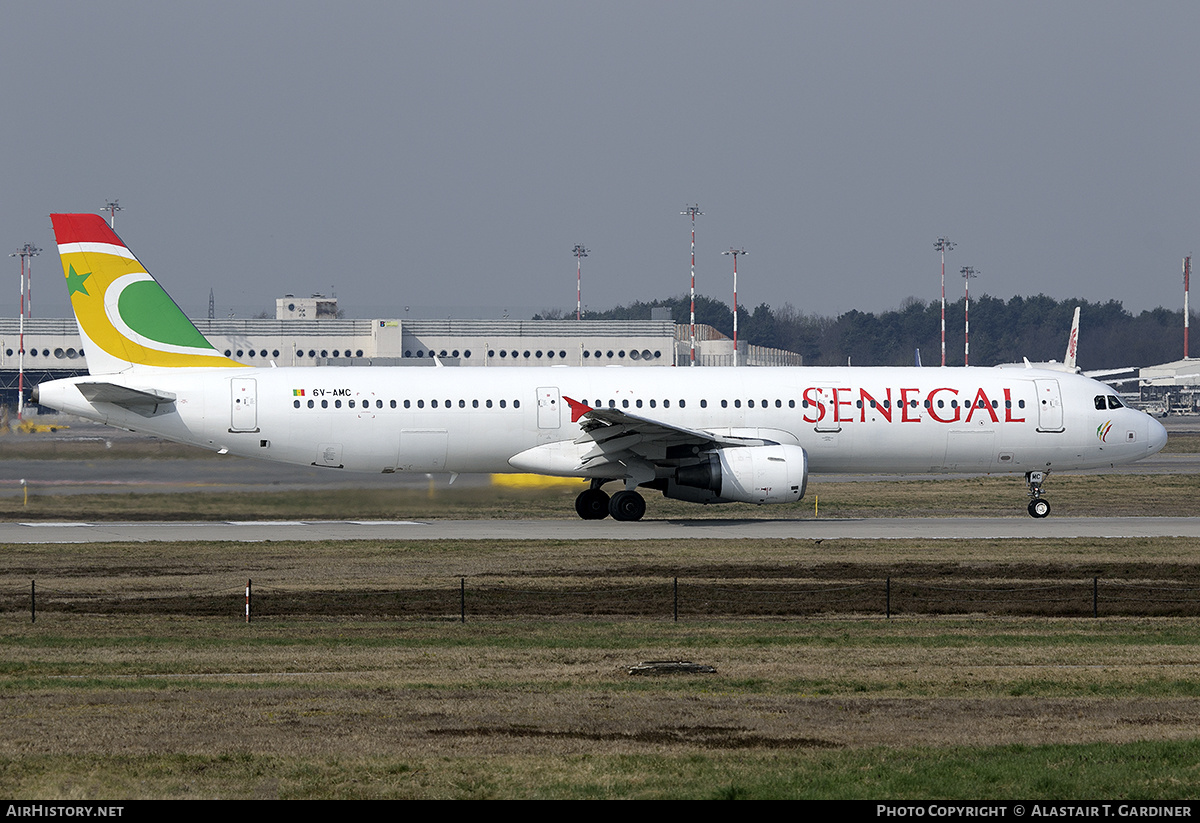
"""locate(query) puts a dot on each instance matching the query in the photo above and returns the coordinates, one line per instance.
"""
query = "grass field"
(117, 691)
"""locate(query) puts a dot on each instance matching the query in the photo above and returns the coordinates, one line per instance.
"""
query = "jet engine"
(744, 474)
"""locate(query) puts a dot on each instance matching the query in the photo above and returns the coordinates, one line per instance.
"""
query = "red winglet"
(83, 228)
(578, 409)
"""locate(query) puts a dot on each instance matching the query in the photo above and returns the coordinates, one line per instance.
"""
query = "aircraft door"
(827, 411)
(548, 405)
(244, 399)
(1050, 410)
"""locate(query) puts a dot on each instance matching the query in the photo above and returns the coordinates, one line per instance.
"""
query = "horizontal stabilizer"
(140, 401)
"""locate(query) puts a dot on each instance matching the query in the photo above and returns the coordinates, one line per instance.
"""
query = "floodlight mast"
(967, 273)
(692, 211)
(944, 245)
(735, 252)
(112, 207)
(29, 251)
(1187, 270)
(580, 252)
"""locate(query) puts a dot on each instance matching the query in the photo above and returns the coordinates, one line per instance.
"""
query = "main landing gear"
(1039, 506)
(595, 504)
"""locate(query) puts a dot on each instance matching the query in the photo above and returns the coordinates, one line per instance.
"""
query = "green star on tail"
(75, 282)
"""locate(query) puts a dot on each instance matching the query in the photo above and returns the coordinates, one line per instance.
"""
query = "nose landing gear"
(1039, 506)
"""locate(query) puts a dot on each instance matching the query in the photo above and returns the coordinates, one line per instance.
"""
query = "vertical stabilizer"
(1072, 343)
(126, 320)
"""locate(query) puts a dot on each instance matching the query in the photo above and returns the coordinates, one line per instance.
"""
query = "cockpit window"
(1114, 402)
(1099, 401)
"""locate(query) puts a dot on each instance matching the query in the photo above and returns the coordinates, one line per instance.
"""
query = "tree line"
(1001, 332)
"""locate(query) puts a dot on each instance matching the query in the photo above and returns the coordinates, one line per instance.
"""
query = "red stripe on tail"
(83, 228)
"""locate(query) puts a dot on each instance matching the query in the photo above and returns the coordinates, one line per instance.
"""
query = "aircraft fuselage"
(861, 419)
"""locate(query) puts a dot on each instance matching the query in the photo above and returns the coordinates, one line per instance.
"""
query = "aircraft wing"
(616, 436)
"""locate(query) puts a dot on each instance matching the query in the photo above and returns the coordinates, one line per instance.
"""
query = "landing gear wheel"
(592, 504)
(1039, 507)
(627, 505)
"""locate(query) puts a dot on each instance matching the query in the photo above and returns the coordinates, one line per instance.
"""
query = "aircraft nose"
(1158, 436)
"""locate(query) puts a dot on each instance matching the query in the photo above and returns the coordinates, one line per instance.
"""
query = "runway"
(1013, 528)
(108, 474)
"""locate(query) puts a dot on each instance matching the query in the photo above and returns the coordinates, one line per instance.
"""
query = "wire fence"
(669, 599)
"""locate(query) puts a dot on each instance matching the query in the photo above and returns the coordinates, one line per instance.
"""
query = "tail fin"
(125, 318)
(1072, 343)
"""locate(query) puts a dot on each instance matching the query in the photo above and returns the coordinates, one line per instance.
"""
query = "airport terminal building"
(312, 335)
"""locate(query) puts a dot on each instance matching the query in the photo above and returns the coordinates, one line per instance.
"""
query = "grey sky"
(447, 156)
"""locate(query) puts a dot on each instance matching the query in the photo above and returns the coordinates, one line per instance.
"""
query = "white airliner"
(707, 435)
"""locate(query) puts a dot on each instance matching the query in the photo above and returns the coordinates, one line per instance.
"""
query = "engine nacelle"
(747, 474)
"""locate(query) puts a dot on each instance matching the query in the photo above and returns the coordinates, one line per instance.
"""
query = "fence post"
(32, 601)
(676, 599)
(462, 600)
(1095, 596)
(888, 607)
(248, 582)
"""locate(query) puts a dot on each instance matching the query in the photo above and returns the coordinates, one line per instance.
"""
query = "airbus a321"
(705, 435)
